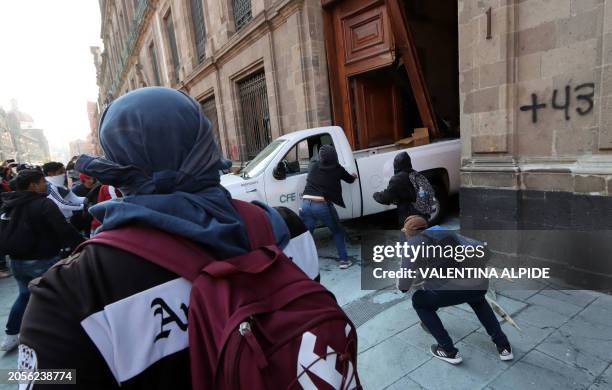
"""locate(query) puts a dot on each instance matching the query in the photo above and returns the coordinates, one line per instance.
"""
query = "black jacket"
(37, 228)
(400, 190)
(325, 181)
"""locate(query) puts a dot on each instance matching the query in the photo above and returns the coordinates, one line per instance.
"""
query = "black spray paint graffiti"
(583, 98)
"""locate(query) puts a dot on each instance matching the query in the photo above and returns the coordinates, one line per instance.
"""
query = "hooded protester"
(323, 190)
(161, 153)
(401, 190)
(59, 193)
(33, 233)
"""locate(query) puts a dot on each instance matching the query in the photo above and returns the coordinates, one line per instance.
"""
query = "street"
(564, 341)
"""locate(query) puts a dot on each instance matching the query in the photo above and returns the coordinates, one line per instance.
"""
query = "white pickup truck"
(277, 175)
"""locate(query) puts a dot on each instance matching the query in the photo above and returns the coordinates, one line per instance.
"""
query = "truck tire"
(440, 205)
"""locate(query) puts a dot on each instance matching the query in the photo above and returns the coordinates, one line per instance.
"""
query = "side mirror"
(280, 172)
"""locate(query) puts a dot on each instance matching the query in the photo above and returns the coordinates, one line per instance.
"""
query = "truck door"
(287, 179)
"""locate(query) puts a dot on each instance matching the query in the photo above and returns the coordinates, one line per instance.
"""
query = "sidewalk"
(565, 341)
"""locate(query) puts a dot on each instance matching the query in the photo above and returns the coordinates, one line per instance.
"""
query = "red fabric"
(103, 195)
(84, 177)
(295, 323)
(5, 186)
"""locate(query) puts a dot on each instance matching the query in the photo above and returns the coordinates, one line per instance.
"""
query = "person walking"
(33, 233)
(323, 190)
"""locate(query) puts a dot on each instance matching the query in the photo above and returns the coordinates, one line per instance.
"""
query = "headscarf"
(161, 153)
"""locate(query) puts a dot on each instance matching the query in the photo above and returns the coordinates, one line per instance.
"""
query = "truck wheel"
(440, 205)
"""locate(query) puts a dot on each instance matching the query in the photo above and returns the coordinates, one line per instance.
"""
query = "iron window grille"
(173, 48)
(209, 108)
(242, 12)
(154, 65)
(255, 114)
(199, 29)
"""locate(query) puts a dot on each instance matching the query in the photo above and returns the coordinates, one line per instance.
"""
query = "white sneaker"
(10, 342)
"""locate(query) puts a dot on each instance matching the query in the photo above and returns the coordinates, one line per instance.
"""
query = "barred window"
(209, 108)
(154, 65)
(255, 114)
(199, 29)
(173, 48)
(242, 12)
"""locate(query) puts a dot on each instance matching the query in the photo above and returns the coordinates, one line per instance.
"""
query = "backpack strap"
(164, 249)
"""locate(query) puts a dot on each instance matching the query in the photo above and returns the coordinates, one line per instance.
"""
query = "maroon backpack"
(256, 321)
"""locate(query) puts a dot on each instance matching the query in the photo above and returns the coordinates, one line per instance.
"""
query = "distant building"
(7, 148)
(92, 114)
(29, 143)
(80, 146)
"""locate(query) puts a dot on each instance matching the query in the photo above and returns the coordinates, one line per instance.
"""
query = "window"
(199, 30)
(154, 66)
(173, 48)
(255, 115)
(209, 108)
(299, 157)
(242, 12)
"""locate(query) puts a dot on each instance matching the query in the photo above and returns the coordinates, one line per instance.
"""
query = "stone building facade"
(536, 120)
(258, 67)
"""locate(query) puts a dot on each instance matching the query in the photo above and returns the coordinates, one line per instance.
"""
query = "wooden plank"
(403, 40)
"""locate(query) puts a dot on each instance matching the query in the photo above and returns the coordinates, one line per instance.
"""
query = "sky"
(45, 63)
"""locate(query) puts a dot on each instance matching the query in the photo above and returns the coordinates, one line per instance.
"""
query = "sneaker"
(10, 342)
(344, 264)
(505, 353)
(442, 354)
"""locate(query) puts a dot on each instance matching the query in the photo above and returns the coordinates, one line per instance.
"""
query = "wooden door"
(359, 41)
(377, 119)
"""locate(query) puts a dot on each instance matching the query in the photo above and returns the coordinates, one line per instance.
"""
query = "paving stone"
(389, 361)
(541, 317)
(575, 297)
(604, 381)
(589, 337)
(576, 351)
(555, 305)
(475, 371)
(386, 324)
(598, 314)
(405, 383)
(537, 370)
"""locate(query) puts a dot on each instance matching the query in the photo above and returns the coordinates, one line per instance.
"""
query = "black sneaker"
(442, 354)
(505, 352)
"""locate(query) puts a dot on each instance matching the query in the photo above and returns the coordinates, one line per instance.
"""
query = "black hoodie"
(400, 190)
(33, 227)
(324, 177)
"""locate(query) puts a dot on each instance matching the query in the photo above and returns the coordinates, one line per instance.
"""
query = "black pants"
(3, 265)
(427, 302)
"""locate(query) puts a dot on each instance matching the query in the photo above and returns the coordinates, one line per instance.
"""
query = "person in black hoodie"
(323, 189)
(33, 233)
(400, 190)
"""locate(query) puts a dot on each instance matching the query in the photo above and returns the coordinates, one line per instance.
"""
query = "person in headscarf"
(323, 190)
(160, 152)
(400, 190)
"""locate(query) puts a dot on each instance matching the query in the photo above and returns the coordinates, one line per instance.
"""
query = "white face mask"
(58, 181)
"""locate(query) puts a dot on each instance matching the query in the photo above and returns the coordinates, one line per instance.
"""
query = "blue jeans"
(311, 212)
(427, 302)
(24, 271)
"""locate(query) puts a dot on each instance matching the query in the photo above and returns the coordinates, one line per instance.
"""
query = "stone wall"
(536, 124)
(284, 39)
